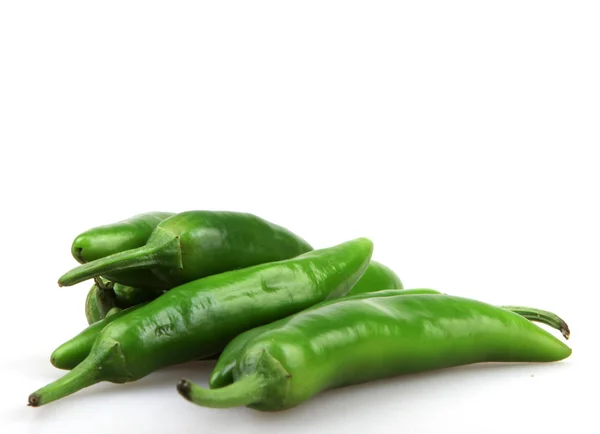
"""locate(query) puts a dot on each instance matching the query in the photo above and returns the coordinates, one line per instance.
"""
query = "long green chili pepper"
(351, 341)
(116, 237)
(199, 318)
(195, 244)
(222, 374)
(377, 277)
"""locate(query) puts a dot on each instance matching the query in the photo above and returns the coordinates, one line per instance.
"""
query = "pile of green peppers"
(283, 321)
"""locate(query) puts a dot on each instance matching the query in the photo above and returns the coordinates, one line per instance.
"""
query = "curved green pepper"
(196, 244)
(222, 374)
(199, 318)
(351, 341)
(377, 277)
(107, 240)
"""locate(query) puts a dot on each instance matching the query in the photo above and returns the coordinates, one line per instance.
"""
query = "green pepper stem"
(142, 257)
(247, 391)
(103, 286)
(541, 316)
(83, 375)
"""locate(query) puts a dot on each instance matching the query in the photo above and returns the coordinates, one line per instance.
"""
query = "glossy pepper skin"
(357, 340)
(199, 318)
(222, 374)
(196, 244)
(107, 240)
(75, 350)
(377, 277)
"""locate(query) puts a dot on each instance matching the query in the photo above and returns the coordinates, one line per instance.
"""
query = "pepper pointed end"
(184, 387)
(33, 400)
(564, 329)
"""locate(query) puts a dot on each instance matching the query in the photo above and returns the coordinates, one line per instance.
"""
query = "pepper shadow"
(410, 388)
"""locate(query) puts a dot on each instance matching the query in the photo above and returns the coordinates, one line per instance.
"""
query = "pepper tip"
(33, 400)
(183, 387)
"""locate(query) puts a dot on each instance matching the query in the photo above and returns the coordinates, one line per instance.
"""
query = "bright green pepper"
(222, 374)
(195, 244)
(106, 240)
(199, 318)
(351, 341)
(377, 277)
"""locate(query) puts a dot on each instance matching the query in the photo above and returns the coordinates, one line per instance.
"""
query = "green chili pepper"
(132, 233)
(222, 374)
(195, 244)
(351, 341)
(377, 277)
(199, 318)
(75, 350)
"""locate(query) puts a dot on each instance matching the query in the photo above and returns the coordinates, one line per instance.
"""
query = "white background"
(461, 137)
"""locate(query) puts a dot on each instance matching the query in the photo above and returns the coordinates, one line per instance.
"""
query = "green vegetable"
(222, 374)
(377, 277)
(351, 341)
(199, 318)
(195, 244)
(127, 234)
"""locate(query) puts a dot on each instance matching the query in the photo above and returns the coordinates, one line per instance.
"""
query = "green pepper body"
(222, 374)
(377, 277)
(75, 350)
(357, 340)
(199, 318)
(196, 244)
(107, 240)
